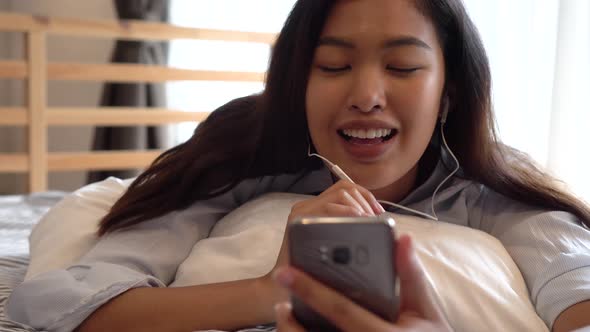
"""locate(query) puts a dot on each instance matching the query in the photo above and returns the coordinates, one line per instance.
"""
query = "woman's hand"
(418, 311)
(343, 199)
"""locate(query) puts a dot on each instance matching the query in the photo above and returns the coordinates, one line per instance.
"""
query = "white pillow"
(477, 283)
(244, 244)
(68, 230)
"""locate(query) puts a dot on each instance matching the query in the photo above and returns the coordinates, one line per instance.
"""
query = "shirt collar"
(315, 182)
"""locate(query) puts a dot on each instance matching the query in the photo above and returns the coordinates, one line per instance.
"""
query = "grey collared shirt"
(551, 248)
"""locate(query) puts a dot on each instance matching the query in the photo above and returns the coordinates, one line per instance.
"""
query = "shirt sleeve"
(143, 255)
(551, 249)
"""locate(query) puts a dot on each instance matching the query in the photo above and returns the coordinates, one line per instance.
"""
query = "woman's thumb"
(414, 286)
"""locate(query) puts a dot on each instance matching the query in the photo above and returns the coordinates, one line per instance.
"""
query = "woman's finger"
(339, 210)
(362, 200)
(347, 198)
(285, 320)
(371, 200)
(415, 289)
(335, 307)
(410, 276)
(328, 210)
(368, 197)
(344, 192)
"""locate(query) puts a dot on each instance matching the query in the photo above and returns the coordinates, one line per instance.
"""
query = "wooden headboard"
(36, 70)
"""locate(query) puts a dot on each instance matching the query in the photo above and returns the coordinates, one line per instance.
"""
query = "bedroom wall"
(60, 93)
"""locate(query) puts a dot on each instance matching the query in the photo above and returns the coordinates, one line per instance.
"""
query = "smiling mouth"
(367, 135)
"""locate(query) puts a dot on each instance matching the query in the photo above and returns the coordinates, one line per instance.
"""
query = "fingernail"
(282, 308)
(379, 207)
(284, 277)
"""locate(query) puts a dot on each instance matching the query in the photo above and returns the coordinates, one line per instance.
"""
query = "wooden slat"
(14, 163)
(101, 160)
(105, 116)
(124, 73)
(36, 70)
(129, 29)
(37, 99)
(13, 69)
(119, 116)
(142, 73)
(13, 116)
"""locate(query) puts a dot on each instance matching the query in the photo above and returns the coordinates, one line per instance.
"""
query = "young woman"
(370, 85)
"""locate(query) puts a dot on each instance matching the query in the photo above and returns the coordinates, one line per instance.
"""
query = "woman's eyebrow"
(406, 41)
(390, 43)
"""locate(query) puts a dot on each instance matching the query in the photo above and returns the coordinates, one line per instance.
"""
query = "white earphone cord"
(340, 173)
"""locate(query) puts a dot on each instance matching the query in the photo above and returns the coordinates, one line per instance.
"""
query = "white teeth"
(367, 133)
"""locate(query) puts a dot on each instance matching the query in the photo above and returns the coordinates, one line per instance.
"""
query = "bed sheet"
(18, 215)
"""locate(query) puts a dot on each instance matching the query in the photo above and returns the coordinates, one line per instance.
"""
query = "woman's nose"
(368, 91)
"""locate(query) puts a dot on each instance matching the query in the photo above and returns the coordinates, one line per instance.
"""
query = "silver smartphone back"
(354, 256)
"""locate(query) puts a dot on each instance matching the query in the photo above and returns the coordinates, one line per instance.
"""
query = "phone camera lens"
(341, 255)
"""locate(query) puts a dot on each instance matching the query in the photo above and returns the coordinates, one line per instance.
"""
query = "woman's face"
(374, 92)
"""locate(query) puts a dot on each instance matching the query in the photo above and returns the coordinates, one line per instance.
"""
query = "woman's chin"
(391, 188)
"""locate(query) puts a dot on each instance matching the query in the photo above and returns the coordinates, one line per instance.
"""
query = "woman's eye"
(402, 70)
(329, 69)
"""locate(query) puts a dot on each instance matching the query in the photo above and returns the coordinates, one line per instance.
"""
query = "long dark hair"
(267, 134)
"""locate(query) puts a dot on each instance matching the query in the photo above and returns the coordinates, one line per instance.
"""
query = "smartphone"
(354, 256)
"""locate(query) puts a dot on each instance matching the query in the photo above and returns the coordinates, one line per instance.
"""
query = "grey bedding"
(18, 215)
